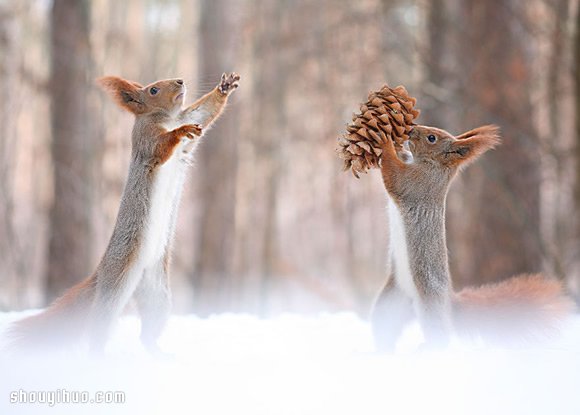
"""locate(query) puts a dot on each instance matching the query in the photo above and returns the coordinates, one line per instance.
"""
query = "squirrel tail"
(59, 325)
(522, 308)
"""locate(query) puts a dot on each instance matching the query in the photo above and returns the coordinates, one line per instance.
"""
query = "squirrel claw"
(192, 130)
(229, 82)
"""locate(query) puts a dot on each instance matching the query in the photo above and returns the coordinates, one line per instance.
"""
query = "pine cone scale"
(388, 114)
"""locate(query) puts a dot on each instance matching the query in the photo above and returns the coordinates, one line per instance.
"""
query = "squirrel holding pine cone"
(418, 164)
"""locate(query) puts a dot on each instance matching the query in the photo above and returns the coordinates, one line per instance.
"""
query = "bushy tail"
(61, 324)
(522, 308)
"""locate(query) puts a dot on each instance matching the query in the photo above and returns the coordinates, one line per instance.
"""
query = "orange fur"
(59, 325)
(520, 308)
(169, 140)
(392, 169)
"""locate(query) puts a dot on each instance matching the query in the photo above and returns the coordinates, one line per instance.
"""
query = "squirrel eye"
(431, 138)
(154, 90)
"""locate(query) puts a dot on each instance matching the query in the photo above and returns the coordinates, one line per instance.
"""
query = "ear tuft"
(125, 93)
(489, 133)
(472, 144)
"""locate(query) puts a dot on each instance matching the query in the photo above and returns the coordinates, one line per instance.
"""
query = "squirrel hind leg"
(109, 303)
(153, 299)
(391, 313)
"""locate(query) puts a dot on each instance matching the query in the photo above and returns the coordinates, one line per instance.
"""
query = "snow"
(299, 365)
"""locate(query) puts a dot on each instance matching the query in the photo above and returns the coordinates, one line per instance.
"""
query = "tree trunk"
(501, 192)
(438, 61)
(9, 252)
(270, 79)
(555, 166)
(217, 162)
(576, 283)
(75, 148)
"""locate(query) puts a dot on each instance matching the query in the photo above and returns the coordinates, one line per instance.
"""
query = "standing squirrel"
(419, 284)
(136, 261)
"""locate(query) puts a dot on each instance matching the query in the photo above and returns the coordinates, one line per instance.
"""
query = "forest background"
(269, 222)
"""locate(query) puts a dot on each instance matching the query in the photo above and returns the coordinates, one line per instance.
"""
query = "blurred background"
(269, 223)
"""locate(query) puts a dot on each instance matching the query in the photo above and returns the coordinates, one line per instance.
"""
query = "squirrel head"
(433, 158)
(161, 96)
(439, 149)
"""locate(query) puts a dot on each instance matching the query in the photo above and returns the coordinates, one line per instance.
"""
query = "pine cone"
(387, 115)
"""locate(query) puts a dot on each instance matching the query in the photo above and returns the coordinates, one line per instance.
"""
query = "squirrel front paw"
(229, 83)
(191, 130)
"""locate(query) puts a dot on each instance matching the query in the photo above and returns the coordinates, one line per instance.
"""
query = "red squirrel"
(136, 261)
(419, 284)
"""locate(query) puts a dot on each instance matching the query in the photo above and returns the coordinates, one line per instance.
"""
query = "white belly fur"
(164, 197)
(399, 252)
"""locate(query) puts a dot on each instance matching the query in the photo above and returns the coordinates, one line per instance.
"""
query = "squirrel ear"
(468, 146)
(126, 94)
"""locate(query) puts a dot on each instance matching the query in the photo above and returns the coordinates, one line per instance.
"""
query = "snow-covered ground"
(324, 365)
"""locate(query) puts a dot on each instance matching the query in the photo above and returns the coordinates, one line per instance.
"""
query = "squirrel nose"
(179, 81)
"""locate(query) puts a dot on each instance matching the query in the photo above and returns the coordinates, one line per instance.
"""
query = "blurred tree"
(577, 149)
(555, 219)
(75, 147)
(9, 253)
(256, 255)
(500, 193)
(217, 161)
(270, 91)
(438, 65)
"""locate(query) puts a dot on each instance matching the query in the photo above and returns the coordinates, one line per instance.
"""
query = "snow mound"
(295, 365)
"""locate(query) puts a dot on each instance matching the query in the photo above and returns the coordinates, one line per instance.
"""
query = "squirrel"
(419, 284)
(136, 261)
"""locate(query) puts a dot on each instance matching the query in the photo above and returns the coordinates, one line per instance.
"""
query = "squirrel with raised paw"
(136, 261)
